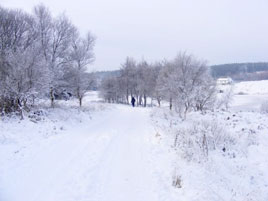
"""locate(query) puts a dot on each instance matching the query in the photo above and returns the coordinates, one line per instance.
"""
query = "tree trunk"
(80, 101)
(127, 97)
(19, 108)
(170, 103)
(52, 97)
(33, 100)
(159, 102)
(187, 107)
(145, 100)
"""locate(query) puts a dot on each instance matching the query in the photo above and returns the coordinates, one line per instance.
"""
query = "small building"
(224, 81)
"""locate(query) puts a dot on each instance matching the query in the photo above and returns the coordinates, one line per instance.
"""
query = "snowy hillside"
(221, 155)
(247, 96)
(102, 152)
(252, 87)
(111, 152)
(160, 128)
(230, 163)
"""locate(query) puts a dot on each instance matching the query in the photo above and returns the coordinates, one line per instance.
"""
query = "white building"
(224, 81)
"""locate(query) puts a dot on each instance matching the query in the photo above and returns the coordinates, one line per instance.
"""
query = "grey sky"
(220, 31)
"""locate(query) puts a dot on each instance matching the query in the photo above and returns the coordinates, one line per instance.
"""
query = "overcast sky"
(219, 31)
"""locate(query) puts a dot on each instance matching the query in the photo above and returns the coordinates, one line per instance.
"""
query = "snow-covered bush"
(196, 142)
(223, 150)
(264, 107)
(177, 181)
(224, 99)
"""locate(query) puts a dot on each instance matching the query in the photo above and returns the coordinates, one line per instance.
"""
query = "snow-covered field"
(235, 169)
(100, 153)
(248, 96)
(108, 152)
(252, 87)
(230, 163)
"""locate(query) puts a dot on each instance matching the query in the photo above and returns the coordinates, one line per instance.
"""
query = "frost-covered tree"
(55, 41)
(165, 87)
(37, 52)
(21, 73)
(81, 54)
(154, 74)
(183, 82)
(205, 94)
(146, 81)
(128, 78)
(109, 89)
(191, 75)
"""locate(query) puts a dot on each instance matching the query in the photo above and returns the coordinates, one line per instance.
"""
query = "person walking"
(133, 100)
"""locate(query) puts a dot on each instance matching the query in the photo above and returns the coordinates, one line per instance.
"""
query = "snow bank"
(39, 148)
(115, 152)
(234, 172)
(252, 87)
(247, 96)
(98, 153)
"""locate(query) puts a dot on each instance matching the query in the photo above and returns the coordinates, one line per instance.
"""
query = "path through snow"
(108, 159)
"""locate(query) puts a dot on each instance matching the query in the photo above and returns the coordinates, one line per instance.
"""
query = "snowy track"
(109, 159)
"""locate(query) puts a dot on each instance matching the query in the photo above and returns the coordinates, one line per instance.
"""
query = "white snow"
(239, 173)
(74, 155)
(252, 87)
(248, 96)
(109, 152)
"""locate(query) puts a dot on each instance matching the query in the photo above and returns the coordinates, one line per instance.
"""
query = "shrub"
(264, 107)
(196, 142)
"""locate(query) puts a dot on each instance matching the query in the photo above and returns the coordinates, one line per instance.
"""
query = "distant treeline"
(239, 71)
(101, 75)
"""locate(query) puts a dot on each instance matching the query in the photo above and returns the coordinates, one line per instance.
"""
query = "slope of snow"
(252, 87)
(108, 152)
(83, 155)
(237, 174)
(248, 103)
(248, 96)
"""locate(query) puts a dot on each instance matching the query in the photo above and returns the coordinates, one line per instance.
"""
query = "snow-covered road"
(107, 159)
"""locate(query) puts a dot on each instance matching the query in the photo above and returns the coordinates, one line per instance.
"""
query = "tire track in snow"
(106, 160)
